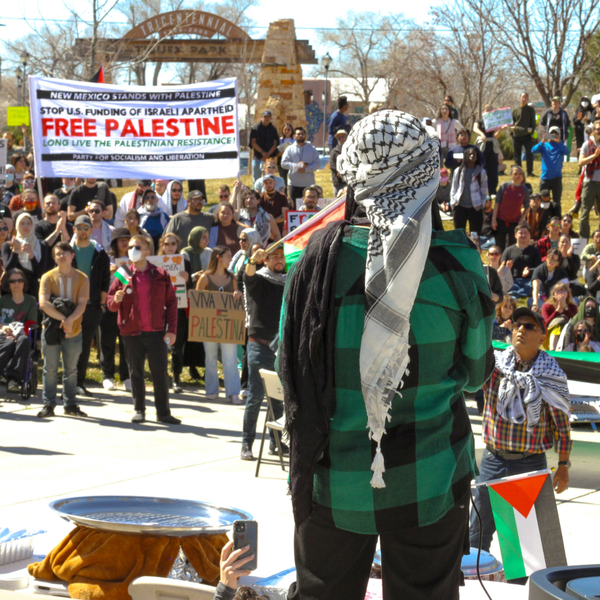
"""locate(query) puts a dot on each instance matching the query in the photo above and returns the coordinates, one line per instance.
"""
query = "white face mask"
(134, 255)
(585, 104)
(10, 177)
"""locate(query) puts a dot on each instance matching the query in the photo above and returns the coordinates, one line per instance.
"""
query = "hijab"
(181, 204)
(193, 249)
(241, 256)
(31, 240)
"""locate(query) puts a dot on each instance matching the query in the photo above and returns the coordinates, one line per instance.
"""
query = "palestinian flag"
(295, 241)
(124, 275)
(527, 522)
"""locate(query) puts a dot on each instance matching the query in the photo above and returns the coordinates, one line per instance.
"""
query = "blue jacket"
(552, 158)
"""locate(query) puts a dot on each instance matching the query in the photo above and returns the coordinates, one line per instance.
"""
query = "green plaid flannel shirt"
(428, 448)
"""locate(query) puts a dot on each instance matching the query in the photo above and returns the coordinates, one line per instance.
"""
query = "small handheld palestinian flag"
(124, 275)
(526, 518)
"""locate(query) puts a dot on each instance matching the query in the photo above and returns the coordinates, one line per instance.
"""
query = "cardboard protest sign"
(17, 116)
(297, 217)
(174, 265)
(83, 129)
(216, 317)
(497, 118)
(3, 153)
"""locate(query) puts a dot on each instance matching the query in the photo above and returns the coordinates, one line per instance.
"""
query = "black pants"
(295, 192)
(148, 344)
(417, 564)
(524, 141)
(491, 170)
(505, 229)
(89, 326)
(473, 216)
(13, 356)
(179, 345)
(109, 330)
(553, 185)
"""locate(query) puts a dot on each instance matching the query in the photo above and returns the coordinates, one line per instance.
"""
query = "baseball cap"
(523, 311)
(556, 98)
(340, 131)
(195, 194)
(536, 195)
(83, 220)
(545, 193)
(554, 129)
(269, 176)
(267, 113)
(120, 232)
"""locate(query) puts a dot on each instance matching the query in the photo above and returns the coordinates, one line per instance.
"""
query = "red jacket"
(163, 304)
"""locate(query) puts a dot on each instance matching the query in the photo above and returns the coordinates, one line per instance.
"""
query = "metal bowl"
(147, 515)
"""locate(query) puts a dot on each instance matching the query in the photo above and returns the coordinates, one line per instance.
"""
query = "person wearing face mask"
(583, 339)
(30, 206)
(588, 312)
(152, 218)
(28, 184)
(469, 192)
(584, 115)
(26, 252)
(10, 188)
(63, 193)
(147, 309)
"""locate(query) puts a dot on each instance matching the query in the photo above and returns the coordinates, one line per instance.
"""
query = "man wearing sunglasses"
(101, 231)
(147, 309)
(526, 410)
(91, 259)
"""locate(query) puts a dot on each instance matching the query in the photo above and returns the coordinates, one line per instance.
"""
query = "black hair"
(7, 276)
(342, 101)
(298, 128)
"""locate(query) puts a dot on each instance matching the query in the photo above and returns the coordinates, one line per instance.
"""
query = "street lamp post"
(19, 76)
(24, 58)
(326, 62)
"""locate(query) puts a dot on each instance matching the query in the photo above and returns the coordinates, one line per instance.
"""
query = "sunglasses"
(526, 326)
(224, 196)
(134, 247)
(567, 221)
(95, 211)
(3, 228)
(493, 253)
(11, 281)
(82, 227)
(176, 190)
(149, 197)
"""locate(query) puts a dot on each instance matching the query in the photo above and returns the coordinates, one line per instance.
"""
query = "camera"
(240, 526)
(580, 336)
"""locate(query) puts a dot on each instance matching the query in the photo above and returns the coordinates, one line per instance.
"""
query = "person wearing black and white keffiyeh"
(526, 412)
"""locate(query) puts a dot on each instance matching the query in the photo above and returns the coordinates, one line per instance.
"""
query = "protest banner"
(497, 118)
(578, 245)
(17, 116)
(216, 317)
(83, 129)
(297, 217)
(174, 265)
(3, 153)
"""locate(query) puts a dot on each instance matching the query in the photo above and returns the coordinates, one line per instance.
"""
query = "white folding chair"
(273, 391)
(161, 588)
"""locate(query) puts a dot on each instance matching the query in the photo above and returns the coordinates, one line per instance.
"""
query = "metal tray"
(147, 515)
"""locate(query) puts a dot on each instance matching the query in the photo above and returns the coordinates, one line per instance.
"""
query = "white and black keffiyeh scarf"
(521, 394)
(276, 278)
(392, 162)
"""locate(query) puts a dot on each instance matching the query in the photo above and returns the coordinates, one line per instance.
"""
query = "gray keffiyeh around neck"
(276, 278)
(392, 163)
(522, 393)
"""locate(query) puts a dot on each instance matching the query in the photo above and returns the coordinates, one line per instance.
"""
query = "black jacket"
(99, 275)
(53, 333)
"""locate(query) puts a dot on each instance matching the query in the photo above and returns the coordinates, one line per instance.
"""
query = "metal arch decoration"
(194, 22)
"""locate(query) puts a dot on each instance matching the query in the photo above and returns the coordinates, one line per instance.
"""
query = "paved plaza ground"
(41, 460)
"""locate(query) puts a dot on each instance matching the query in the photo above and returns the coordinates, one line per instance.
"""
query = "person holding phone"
(232, 568)
(147, 309)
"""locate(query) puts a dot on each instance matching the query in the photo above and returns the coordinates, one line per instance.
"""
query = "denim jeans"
(521, 288)
(257, 167)
(259, 357)
(70, 349)
(493, 467)
(229, 361)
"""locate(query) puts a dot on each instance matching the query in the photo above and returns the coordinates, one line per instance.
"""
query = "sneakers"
(245, 393)
(212, 396)
(108, 384)
(170, 420)
(74, 411)
(13, 386)
(139, 416)
(574, 210)
(246, 453)
(176, 388)
(82, 391)
(235, 399)
(47, 411)
(127, 384)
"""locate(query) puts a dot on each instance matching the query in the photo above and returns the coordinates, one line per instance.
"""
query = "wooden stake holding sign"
(216, 317)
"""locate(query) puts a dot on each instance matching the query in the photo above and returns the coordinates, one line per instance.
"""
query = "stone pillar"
(280, 86)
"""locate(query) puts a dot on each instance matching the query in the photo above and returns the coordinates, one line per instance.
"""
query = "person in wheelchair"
(18, 311)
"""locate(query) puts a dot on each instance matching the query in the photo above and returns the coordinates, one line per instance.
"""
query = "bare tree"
(548, 39)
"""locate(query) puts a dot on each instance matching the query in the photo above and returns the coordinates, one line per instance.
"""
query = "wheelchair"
(29, 385)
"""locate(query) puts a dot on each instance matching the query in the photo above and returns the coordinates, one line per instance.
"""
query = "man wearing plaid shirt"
(513, 444)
